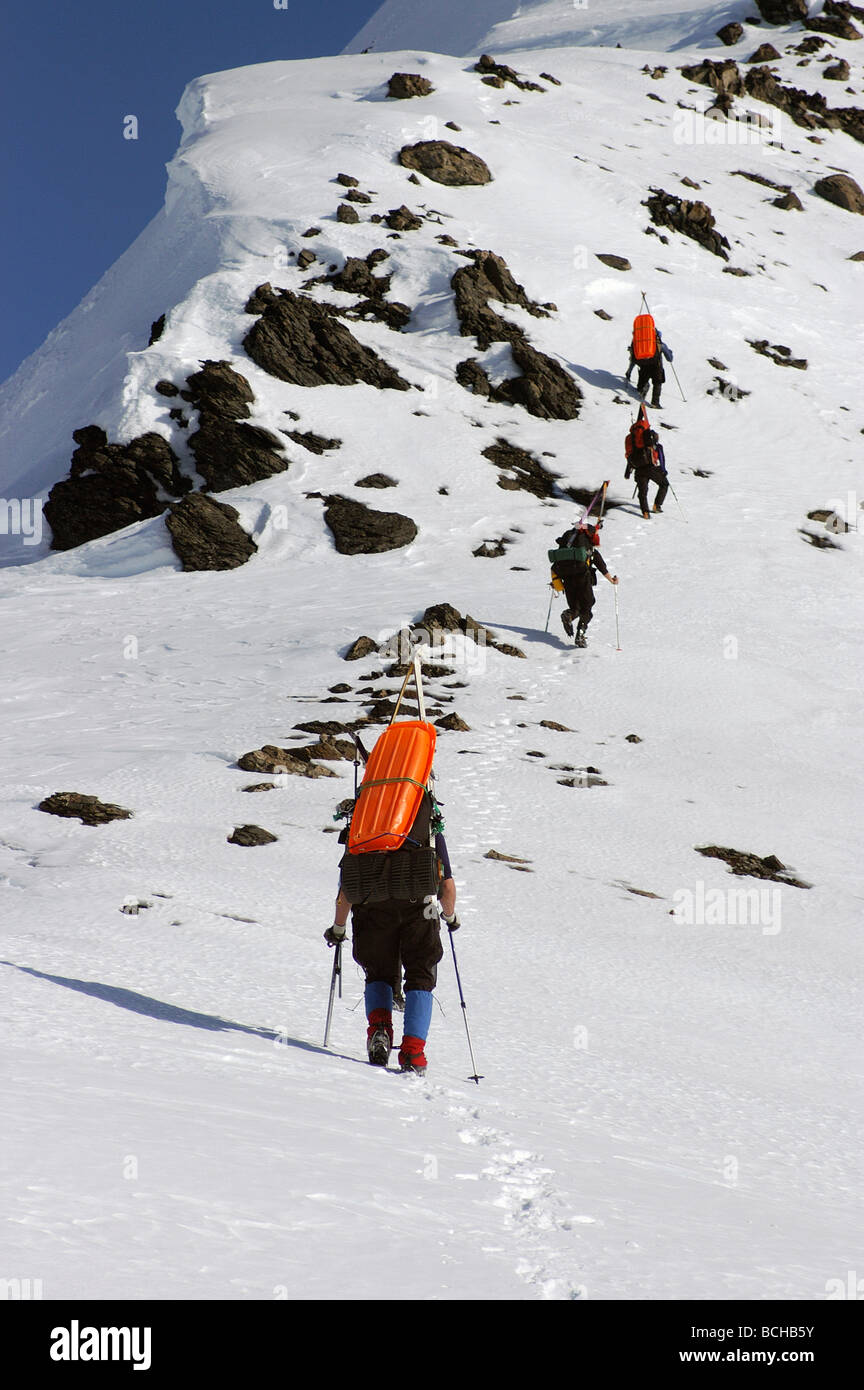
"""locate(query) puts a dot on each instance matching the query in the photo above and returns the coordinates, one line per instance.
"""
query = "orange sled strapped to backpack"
(644, 337)
(394, 784)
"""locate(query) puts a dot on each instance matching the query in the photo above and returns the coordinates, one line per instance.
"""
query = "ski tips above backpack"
(644, 337)
(394, 784)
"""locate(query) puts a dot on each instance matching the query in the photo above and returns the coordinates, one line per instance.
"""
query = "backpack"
(389, 854)
(575, 548)
(640, 446)
(644, 338)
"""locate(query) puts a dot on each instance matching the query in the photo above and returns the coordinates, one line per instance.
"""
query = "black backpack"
(407, 874)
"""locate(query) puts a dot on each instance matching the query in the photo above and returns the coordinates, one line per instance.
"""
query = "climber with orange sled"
(647, 351)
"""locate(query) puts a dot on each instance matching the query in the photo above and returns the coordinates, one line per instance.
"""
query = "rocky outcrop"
(296, 762)
(544, 389)
(778, 353)
(360, 648)
(88, 809)
(810, 110)
(521, 470)
(692, 219)
(445, 163)
(842, 191)
(359, 530)
(765, 53)
(229, 453)
(314, 443)
(403, 85)
(443, 618)
(752, 865)
(614, 262)
(731, 33)
(488, 278)
(402, 219)
(720, 76)
(251, 835)
(782, 11)
(302, 341)
(376, 480)
(207, 535)
(834, 20)
(111, 486)
(789, 202)
(837, 72)
(356, 278)
(499, 74)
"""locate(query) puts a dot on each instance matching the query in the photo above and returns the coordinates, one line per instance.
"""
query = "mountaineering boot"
(646, 516)
(411, 1055)
(657, 509)
(379, 1037)
(567, 622)
(580, 636)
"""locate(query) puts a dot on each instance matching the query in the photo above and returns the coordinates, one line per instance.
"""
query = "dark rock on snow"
(522, 470)
(488, 277)
(315, 443)
(272, 759)
(742, 863)
(402, 219)
(376, 480)
(299, 340)
(615, 262)
(227, 453)
(408, 84)
(358, 530)
(731, 33)
(497, 74)
(207, 535)
(251, 835)
(692, 219)
(360, 648)
(445, 163)
(765, 53)
(111, 486)
(782, 11)
(841, 190)
(88, 809)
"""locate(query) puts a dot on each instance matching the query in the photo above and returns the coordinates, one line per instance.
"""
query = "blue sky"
(75, 192)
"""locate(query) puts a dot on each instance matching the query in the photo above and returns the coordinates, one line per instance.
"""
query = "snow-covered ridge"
(503, 26)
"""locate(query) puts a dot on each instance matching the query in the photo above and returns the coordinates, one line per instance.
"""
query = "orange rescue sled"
(644, 337)
(394, 782)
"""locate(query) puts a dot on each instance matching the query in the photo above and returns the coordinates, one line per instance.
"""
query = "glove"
(453, 923)
(335, 935)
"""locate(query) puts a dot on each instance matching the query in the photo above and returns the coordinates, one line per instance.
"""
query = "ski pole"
(337, 975)
(680, 387)
(675, 495)
(549, 610)
(474, 1076)
(617, 633)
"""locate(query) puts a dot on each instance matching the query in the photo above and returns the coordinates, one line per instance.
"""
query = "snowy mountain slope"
(669, 1109)
(503, 26)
